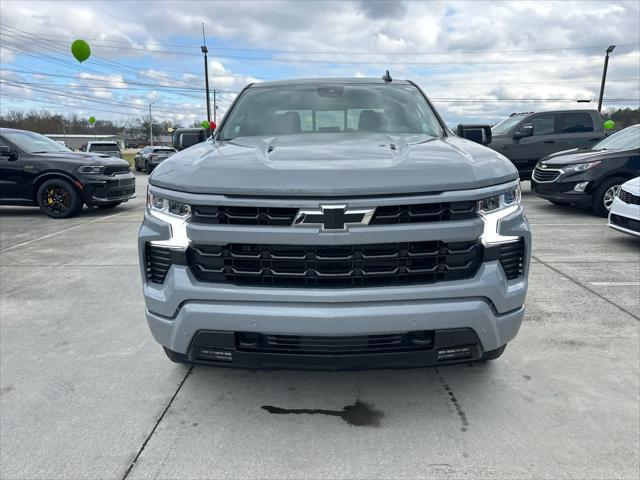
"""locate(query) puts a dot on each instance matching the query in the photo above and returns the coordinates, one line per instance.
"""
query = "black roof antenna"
(386, 77)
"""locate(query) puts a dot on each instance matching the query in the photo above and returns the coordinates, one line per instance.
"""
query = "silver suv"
(334, 224)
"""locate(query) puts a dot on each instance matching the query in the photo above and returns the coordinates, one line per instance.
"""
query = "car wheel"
(176, 357)
(147, 167)
(135, 162)
(109, 205)
(605, 193)
(58, 198)
(493, 354)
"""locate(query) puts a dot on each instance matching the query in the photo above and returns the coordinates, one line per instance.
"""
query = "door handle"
(549, 141)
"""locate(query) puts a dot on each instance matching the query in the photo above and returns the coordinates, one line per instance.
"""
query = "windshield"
(340, 108)
(505, 125)
(34, 142)
(623, 140)
(164, 150)
(104, 147)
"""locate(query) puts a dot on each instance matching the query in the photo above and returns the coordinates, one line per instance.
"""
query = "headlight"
(493, 210)
(580, 167)
(95, 170)
(156, 203)
(491, 204)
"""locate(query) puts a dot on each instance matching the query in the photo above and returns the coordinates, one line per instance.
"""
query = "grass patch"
(129, 158)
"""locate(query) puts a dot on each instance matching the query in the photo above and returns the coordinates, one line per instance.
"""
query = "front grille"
(120, 192)
(546, 174)
(630, 198)
(394, 214)
(625, 222)
(332, 345)
(158, 260)
(511, 256)
(335, 266)
(115, 169)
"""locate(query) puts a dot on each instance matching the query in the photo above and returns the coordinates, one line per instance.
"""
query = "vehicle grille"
(625, 222)
(115, 169)
(120, 192)
(394, 214)
(329, 345)
(159, 259)
(546, 174)
(630, 198)
(336, 266)
(511, 257)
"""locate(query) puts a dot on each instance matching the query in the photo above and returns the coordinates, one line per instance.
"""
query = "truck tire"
(58, 198)
(493, 354)
(603, 195)
(176, 357)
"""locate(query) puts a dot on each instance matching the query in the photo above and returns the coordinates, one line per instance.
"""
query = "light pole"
(604, 75)
(204, 50)
(150, 124)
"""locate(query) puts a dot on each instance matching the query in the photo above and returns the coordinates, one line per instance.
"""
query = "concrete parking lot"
(85, 392)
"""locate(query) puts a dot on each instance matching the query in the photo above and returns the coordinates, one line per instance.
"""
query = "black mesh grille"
(544, 175)
(243, 215)
(625, 222)
(159, 259)
(511, 257)
(630, 198)
(113, 169)
(336, 266)
(427, 212)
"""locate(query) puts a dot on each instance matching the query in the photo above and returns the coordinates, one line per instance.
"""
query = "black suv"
(525, 138)
(35, 170)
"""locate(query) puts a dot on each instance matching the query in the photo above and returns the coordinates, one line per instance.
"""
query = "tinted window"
(34, 142)
(574, 122)
(163, 149)
(623, 140)
(291, 109)
(542, 124)
(103, 147)
(505, 125)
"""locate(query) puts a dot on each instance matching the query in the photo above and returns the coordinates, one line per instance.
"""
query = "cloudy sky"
(477, 61)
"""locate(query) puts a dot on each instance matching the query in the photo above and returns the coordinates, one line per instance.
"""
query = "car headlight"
(493, 210)
(156, 203)
(580, 167)
(92, 169)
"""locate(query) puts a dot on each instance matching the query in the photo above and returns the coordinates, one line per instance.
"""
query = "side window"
(542, 124)
(574, 122)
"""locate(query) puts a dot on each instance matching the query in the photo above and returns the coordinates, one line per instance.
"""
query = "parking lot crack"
(586, 287)
(461, 413)
(153, 430)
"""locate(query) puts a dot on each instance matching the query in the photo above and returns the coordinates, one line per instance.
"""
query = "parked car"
(590, 177)
(149, 157)
(35, 170)
(624, 215)
(334, 224)
(105, 148)
(525, 138)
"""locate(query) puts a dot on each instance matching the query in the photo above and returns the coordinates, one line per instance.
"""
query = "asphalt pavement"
(86, 393)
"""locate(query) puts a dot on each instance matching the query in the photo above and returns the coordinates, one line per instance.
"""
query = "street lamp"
(604, 76)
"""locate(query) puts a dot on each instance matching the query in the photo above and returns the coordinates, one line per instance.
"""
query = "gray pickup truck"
(333, 224)
(525, 138)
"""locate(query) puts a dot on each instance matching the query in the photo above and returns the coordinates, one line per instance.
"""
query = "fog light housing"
(580, 187)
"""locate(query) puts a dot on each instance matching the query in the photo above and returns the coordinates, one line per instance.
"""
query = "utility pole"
(215, 108)
(150, 124)
(204, 50)
(604, 76)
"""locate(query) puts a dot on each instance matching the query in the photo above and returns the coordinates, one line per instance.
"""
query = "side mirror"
(525, 131)
(476, 133)
(187, 137)
(8, 152)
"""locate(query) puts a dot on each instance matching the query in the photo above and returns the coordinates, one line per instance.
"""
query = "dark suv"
(525, 138)
(35, 170)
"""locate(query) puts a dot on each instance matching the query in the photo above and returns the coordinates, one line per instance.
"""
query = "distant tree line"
(44, 121)
(623, 117)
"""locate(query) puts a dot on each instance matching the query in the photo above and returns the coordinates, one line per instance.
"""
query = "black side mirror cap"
(187, 137)
(476, 133)
(525, 131)
(8, 152)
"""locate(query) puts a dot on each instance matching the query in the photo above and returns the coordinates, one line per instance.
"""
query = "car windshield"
(34, 142)
(623, 140)
(505, 125)
(324, 108)
(103, 147)
(164, 150)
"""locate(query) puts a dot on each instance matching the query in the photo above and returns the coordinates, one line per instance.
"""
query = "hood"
(333, 164)
(632, 186)
(570, 157)
(82, 158)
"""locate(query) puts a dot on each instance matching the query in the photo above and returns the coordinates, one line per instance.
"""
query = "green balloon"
(92, 120)
(205, 124)
(80, 50)
(609, 124)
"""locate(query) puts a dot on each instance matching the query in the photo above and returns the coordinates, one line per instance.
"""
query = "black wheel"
(58, 198)
(135, 163)
(493, 354)
(109, 205)
(176, 357)
(603, 196)
(147, 167)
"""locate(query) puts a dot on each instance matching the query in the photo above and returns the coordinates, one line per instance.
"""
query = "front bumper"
(625, 217)
(560, 191)
(488, 304)
(103, 189)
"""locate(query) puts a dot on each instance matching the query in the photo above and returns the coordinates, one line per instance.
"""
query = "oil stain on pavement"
(360, 414)
(461, 413)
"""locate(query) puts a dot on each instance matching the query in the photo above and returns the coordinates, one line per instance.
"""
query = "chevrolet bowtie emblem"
(334, 217)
